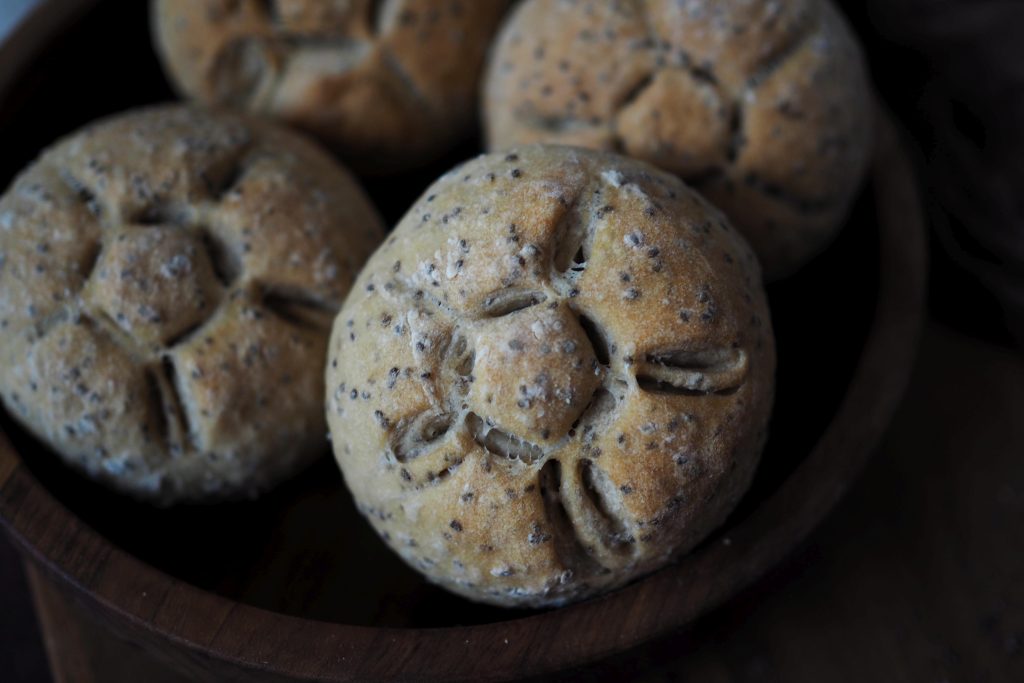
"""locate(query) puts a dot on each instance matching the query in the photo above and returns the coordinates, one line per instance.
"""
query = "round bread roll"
(762, 105)
(167, 282)
(390, 84)
(553, 377)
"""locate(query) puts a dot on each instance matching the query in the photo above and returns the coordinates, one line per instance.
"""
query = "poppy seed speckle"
(548, 372)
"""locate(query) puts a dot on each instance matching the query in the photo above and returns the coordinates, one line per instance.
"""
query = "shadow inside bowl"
(303, 550)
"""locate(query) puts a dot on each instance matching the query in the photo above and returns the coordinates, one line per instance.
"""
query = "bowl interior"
(304, 550)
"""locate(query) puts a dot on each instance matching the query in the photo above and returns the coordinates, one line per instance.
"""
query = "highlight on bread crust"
(167, 281)
(389, 84)
(553, 377)
(763, 105)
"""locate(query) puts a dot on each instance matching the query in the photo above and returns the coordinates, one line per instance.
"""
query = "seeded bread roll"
(762, 105)
(167, 282)
(554, 376)
(390, 84)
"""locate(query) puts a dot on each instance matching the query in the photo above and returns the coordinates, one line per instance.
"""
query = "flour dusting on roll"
(167, 281)
(554, 376)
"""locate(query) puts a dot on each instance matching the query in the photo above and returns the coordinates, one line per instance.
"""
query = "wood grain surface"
(917, 576)
(209, 637)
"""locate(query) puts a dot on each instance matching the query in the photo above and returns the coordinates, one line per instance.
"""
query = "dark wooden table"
(918, 576)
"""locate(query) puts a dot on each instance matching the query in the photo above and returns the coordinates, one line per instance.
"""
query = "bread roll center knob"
(535, 372)
(678, 122)
(156, 283)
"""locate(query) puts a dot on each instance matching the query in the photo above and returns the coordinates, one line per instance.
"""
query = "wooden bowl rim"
(158, 608)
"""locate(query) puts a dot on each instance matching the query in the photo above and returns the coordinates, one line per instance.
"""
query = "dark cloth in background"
(954, 72)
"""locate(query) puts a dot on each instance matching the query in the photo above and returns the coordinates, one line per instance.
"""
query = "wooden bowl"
(296, 586)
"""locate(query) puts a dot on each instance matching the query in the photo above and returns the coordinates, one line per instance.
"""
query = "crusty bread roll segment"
(168, 280)
(763, 105)
(389, 84)
(554, 376)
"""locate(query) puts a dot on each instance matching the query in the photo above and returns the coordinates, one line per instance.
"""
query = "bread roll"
(167, 281)
(553, 377)
(389, 84)
(762, 105)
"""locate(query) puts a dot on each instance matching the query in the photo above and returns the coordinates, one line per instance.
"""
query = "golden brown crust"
(554, 375)
(764, 106)
(167, 277)
(390, 84)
